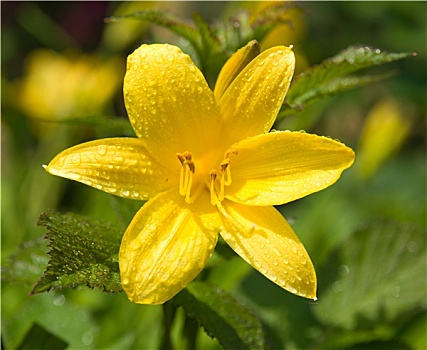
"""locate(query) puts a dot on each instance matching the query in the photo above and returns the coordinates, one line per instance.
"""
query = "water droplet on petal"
(102, 150)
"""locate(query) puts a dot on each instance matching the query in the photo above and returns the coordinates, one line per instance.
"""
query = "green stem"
(190, 332)
(168, 316)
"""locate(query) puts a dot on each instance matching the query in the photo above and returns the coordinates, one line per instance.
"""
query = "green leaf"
(114, 124)
(205, 42)
(332, 76)
(83, 252)
(209, 49)
(381, 277)
(39, 338)
(222, 316)
(27, 264)
(166, 20)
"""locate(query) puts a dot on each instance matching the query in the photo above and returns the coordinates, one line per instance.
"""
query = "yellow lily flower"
(207, 166)
(64, 86)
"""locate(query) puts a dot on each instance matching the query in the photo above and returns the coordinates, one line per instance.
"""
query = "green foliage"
(378, 282)
(118, 126)
(164, 19)
(27, 264)
(39, 338)
(213, 44)
(83, 252)
(372, 289)
(206, 44)
(332, 76)
(222, 316)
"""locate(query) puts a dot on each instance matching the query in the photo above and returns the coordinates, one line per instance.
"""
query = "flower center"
(216, 188)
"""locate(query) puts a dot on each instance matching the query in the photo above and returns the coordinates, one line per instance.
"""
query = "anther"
(186, 176)
(230, 151)
(214, 197)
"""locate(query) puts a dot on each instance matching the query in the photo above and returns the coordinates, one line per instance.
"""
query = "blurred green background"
(62, 65)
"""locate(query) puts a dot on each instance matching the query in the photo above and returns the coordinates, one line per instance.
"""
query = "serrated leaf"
(234, 31)
(210, 54)
(166, 20)
(222, 316)
(381, 277)
(39, 338)
(27, 264)
(83, 252)
(332, 76)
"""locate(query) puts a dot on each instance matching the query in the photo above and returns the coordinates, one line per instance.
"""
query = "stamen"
(230, 151)
(214, 196)
(225, 171)
(186, 175)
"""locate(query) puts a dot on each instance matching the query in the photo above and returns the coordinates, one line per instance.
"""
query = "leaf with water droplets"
(83, 252)
(333, 76)
(222, 316)
(381, 277)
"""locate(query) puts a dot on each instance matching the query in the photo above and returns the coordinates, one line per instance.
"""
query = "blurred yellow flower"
(385, 129)
(291, 28)
(118, 35)
(207, 164)
(62, 86)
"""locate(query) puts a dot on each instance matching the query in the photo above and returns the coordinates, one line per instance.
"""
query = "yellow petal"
(252, 101)
(262, 237)
(120, 166)
(169, 103)
(234, 66)
(165, 247)
(280, 167)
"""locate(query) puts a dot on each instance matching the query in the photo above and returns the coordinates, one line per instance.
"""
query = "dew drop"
(276, 251)
(87, 338)
(337, 286)
(58, 300)
(343, 270)
(75, 177)
(291, 289)
(273, 278)
(102, 150)
(412, 246)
